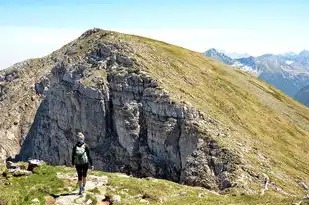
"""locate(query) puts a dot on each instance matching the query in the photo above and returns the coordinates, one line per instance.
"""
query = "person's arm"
(73, 154)
(88, 155)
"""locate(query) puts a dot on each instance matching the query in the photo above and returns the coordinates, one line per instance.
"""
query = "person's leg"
(84, 182)
(79, 170)
(85, 170)
(80, 185)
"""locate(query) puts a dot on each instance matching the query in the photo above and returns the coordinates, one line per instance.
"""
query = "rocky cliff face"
(18, 104)
(131, 124)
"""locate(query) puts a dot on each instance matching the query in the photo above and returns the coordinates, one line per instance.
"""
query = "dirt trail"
(98, 182)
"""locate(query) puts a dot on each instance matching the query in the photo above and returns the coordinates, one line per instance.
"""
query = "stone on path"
(35, 201)
(33, 163)
(49, 200)
(19, 172)
(116, 198)
(12, 165)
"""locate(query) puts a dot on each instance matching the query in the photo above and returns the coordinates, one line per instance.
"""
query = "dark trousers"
(81, 170)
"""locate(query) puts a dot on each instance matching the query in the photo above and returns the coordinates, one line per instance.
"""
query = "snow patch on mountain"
(245, 68)
(288, 62)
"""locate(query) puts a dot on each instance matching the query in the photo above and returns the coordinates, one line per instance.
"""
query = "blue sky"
(35, 28)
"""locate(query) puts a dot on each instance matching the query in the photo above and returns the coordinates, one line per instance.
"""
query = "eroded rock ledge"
(130, 122)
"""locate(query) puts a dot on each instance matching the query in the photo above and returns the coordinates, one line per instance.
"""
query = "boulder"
(3, 91)
(42, 86)
(105, 51)
(124, 60)
(33, 163)
(11, 75)
(49, 200)
(12, 165)
(115, 198)
(19, 172)
(36, 201)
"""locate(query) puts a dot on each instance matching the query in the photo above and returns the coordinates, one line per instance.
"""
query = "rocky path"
(95, 191)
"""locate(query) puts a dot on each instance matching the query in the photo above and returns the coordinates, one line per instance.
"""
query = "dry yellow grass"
(265, 121)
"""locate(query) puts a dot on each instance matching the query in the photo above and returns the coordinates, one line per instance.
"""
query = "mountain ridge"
(154, 109)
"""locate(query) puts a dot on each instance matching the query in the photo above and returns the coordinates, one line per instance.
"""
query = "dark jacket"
(79, 144)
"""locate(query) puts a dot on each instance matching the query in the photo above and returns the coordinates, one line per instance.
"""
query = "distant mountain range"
(288, 72)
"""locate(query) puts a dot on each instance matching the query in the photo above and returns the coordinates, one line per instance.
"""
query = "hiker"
(81, 159)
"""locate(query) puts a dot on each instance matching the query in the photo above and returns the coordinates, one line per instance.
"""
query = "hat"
(80, 137)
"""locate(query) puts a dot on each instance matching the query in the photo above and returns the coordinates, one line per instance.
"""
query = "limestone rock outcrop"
(131, 124)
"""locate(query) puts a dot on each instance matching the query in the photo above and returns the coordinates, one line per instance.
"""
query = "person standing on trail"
(81, 159)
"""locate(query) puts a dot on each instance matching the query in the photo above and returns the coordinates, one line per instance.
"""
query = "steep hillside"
(19, 102)
(153, 109)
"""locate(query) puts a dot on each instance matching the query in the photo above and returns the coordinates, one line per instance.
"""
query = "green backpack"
(81, 155)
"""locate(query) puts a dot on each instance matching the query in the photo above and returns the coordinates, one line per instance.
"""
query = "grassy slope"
(263, 119)
(45, 183)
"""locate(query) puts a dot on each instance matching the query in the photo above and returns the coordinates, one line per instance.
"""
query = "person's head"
(80, 137)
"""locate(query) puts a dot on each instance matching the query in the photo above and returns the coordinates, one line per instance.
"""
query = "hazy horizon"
(36, 29)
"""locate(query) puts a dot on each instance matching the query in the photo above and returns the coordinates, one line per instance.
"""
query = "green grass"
(24, 189)
(2, 168)
(158, 191)
(90, 197)
(44, 183)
